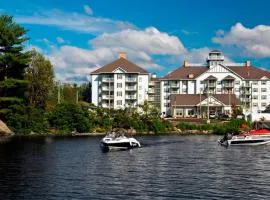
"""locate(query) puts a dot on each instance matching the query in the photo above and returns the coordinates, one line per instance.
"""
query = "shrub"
(70, 117)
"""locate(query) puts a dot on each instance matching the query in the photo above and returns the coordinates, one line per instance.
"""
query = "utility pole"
(77, 96)
(59, 95)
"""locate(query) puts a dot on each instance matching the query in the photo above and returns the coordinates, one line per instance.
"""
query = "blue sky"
(80, 36)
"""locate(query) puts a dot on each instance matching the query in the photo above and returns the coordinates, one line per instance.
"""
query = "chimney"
(185, 63)
(248, 64)
(122, 55)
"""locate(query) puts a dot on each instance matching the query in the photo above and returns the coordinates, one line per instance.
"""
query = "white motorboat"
(118, 142)
(253, 137)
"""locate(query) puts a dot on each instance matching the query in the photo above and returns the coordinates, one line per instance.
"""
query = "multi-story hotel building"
(190, 90)
(119, 84)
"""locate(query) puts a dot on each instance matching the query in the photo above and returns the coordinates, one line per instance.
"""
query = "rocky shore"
(4, 130)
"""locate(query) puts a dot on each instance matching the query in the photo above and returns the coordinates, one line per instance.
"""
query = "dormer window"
(191, 76)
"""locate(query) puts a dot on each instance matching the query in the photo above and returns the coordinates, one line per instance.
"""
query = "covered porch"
(198, 106)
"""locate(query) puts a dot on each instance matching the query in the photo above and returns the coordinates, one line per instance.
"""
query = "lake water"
(166, 167)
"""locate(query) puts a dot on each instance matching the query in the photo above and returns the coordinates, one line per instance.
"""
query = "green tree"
(40, 75)
(86, 92)
(13, 61)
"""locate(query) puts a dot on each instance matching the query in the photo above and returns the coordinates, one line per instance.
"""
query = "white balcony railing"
(151, 91)
(131, 97)
(107, 88)
(107, 96)
(131, 88)
(131, 79)
(107, 79)
(151, 99)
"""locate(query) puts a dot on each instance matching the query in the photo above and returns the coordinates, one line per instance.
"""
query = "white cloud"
(60, 40)
(150, 41)
(88, 10)
(254, 41)
(74, 21)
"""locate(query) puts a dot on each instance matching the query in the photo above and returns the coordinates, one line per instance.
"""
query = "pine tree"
(13, 61)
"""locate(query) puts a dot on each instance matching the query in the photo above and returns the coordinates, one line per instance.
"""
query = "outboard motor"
(224, 141)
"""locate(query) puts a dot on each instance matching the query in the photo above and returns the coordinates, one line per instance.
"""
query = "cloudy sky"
(80, 36)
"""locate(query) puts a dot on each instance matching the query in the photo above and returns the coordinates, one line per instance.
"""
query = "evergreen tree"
(13, 62)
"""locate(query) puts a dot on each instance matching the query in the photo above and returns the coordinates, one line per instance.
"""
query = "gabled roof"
(195, 99)
(121, 63)
(250, 72)
(244, 72)
(185, 72)
(228, 78)
(211, 78)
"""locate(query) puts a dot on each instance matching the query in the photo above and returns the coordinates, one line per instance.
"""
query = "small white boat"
(254, 137)
(114, 141)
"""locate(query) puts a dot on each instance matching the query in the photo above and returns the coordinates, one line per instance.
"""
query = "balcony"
(151, 83)
(246, 92)
(211, 85)
(107, 88)
(215, 57)
(131, 79)
(151, 99)
(106, 105)
(107, 97)
(228, 85)
(107, 80)
(151, 91)
(131, 88)
(174, 91)
(246, 85)
(174, 85)
(131, 97)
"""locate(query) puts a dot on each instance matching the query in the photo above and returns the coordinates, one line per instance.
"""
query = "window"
(237, 82)
(254, 97)
(119, 76)
(236, 89)
(119, 94)
(219, 82)
(140, 87)
(119, 85)
(119, 102)
(255, 104)
(263, 82)
(264, 96)
(255, 82)
(263, 104)
(263, 90)
(140, 79)
(202, 82)
(255, 89)
(190, 112)
(218, 89)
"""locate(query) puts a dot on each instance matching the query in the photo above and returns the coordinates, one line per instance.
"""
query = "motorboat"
(252, 137)
(114, 141)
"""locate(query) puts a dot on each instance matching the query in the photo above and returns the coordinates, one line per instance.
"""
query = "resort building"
(192, 90)
(216, 86)
(120, 84)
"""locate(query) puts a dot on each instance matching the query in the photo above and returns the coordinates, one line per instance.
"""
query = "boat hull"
(118, 143)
